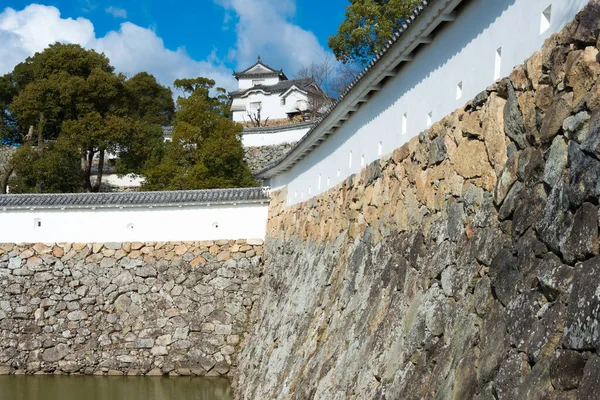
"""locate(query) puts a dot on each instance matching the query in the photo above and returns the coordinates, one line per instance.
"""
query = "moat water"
(113, 388)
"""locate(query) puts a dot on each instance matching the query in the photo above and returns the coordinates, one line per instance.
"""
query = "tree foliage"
(149, 100)
(72, 111)
(7, 121)
(38, 171)
(367, 26)
(72, 104)
(205, 151)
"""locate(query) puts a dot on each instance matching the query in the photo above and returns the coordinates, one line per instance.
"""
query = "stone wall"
(135, 308)
(465, 265)
(258, 157)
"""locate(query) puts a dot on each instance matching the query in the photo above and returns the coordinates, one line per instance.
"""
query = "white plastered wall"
(271, 105)
(244, 84)
(191, 223)
(296, 100)
(273, 138)
(125, 181)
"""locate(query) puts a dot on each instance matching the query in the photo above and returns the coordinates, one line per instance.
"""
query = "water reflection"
(113, 388)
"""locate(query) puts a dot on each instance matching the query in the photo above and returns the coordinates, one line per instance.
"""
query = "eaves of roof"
(180, 198)
(271, 73)
(262, 89)
(280, 87)
(417, 30)
(261, 75)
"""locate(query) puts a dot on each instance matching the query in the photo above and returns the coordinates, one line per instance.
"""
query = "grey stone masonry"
(258, 157)
(465, 265)
(126, 308)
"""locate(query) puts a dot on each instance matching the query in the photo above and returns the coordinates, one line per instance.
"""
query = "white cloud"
(264, 28)
(116, 12)
(131, 49)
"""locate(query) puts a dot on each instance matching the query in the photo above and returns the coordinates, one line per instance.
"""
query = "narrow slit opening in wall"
(459, 90)
(350, 159)
(380, 149)
(498, 63)
(429, 118)
(545, 19)
(404, 123)
(37, 223)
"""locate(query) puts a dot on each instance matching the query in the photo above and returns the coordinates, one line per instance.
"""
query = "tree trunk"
(100, 172)
(5, 178)
(86, 168)
(40, 132)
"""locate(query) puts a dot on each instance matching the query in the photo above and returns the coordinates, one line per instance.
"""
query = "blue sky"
(204, 37)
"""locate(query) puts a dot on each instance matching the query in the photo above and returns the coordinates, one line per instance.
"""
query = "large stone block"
(562, 105)
(580, 240)
(566, 369)
(582, 331)
(584, 171)
(56, 353)
(514, 127)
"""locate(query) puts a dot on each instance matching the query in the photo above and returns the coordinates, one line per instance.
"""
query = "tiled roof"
(271, 72)
(303, 84)
(134, 199)
(262, 75)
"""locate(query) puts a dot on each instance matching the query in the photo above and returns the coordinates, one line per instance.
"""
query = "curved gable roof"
(259, 70)
(303, 84)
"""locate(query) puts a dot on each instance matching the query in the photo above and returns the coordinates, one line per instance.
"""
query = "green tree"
(367, 26)
(71, 95)
(149, 100)
(71, 59)
(38, 106)
(7, 121)
(55, 170)
(152, 108)
(206, 150)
